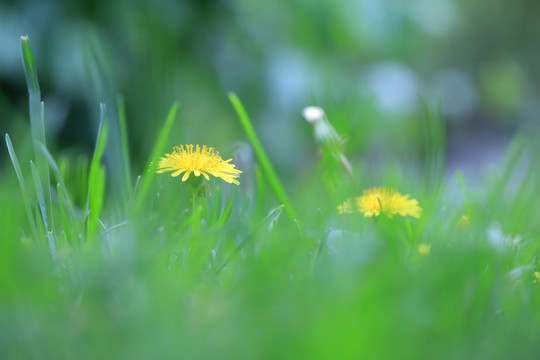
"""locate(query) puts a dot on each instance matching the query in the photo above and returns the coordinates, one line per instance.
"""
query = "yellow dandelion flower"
(379, 200)
(185, 159)
(536, 277)
(424, 249)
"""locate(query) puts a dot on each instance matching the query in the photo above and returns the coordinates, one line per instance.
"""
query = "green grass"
(82, 277)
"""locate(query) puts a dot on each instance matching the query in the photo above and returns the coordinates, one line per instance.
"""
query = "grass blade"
(22, 184)
(37, 123)
(272, 216)
(159, 149)
(59, 178)
(96, 179)
(81, 178)
(128, 186)
(43, 208)
(269, 171)
(225, 213)
(67, 221)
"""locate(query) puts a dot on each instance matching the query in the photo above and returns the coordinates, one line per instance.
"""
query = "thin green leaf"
(272, 216)
(269, 171)
(22, 184)
(225, 213)
(37, 122)
(125, 144)
(137, 185)
(96, 180)
(43, 208)
(60, 179)
(29, 66)
(518, 272)
(81, 175)
(67, 221)
(260, 184)
(159, 149)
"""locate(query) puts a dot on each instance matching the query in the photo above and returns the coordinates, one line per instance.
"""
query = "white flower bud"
(313, 113)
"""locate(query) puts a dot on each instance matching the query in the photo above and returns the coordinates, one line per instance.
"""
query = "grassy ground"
(90, 269)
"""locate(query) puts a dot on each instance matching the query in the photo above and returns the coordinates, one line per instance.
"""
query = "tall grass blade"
(43, 208)
(159, 149)
(61, 183)
(128, 186)
(29, 68)
(269, 171)
(96, 179)
(81, 177)
(272, 217)
(37, 123)
(225, 213)
(67, 221)
(100, 75)
(22, 184)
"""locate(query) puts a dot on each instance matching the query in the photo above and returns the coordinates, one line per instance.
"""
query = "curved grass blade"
(43, 208)
(272, 216)
(269, 171)
(60, 179)
(125, 146)
(37, 123)
(159, 149)
(29, 67)
(22, 184)
(137, 185)
(67, 222)
(224, 215)
(96, 180)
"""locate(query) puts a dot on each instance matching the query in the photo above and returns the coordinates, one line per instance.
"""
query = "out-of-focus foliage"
(111, 261)
(364, 61)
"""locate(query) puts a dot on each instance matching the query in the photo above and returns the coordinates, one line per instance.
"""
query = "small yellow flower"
(346, 207)
(424, 249)
(379, 200)
(185, 159)
(536, 277)
(463, 222)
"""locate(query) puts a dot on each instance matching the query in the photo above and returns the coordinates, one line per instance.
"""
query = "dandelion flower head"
(380, 200)
(188, 159)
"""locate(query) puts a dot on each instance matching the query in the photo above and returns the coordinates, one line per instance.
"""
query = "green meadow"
(102, 257)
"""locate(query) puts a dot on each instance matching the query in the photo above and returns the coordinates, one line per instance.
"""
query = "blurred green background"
(230, 280)
(365, 61)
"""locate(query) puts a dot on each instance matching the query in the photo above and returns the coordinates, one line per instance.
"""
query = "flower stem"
(195, 214)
